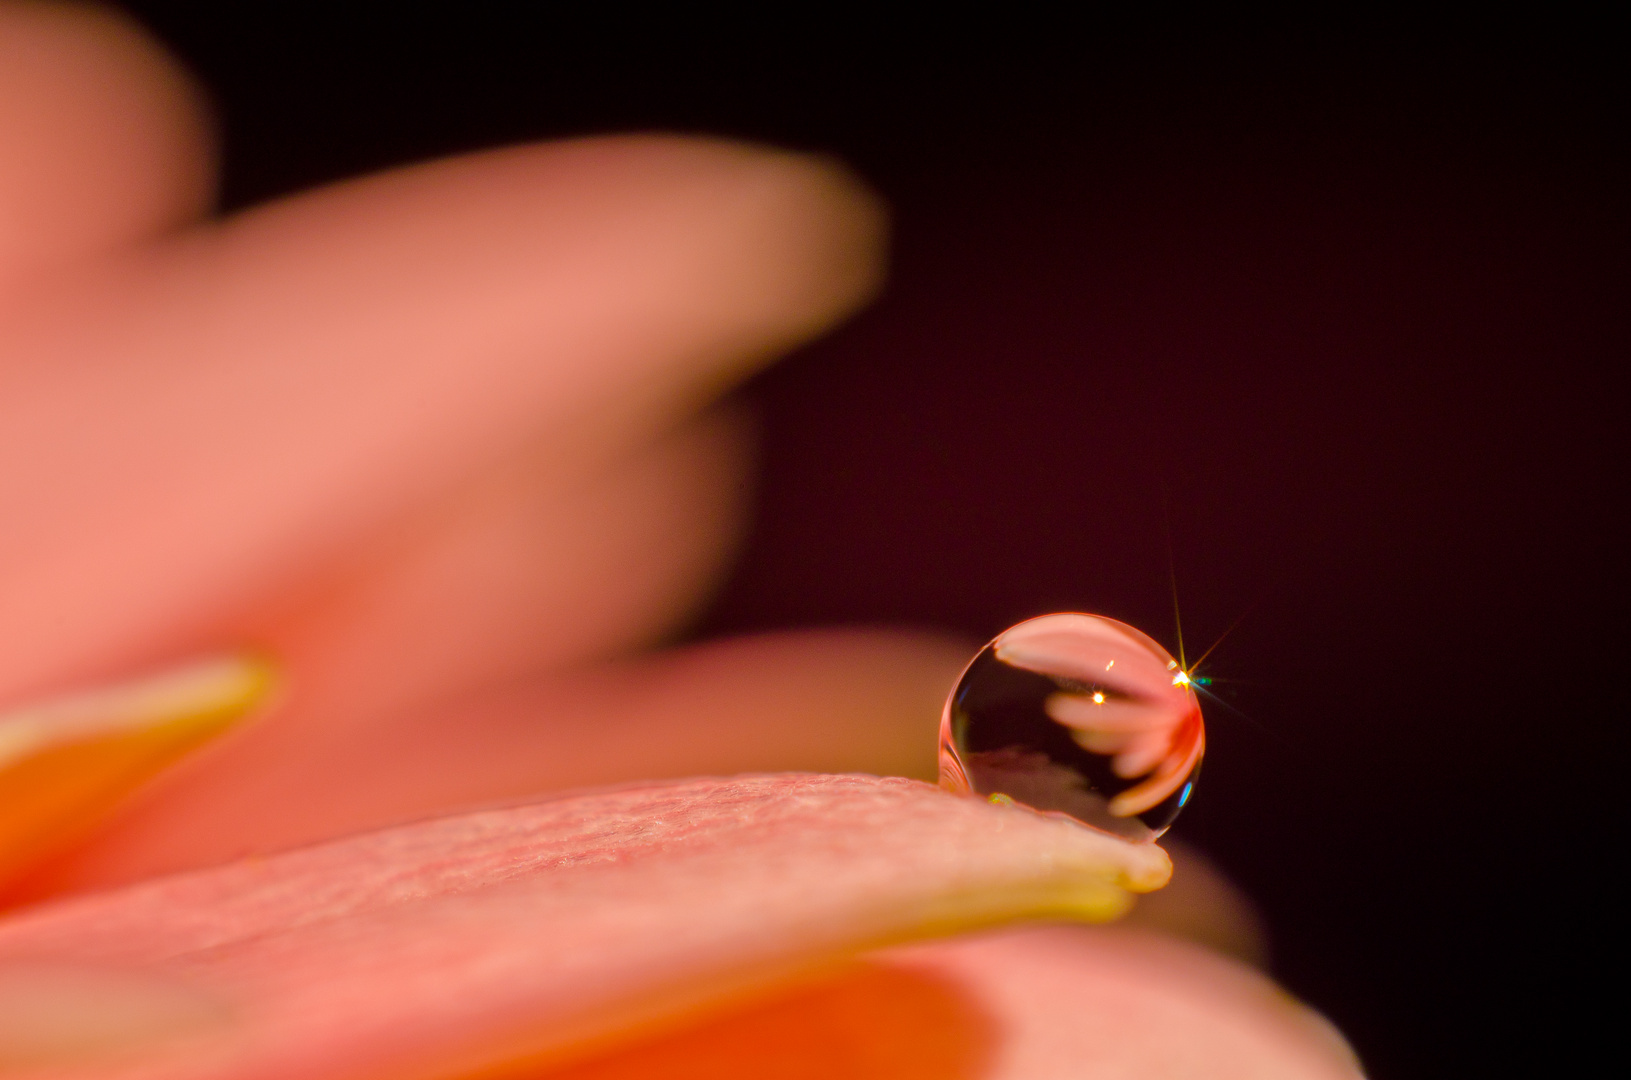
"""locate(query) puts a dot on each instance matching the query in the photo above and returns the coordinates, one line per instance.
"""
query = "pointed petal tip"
(68, 761)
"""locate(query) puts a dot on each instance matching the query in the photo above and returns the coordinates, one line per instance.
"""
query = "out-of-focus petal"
(514, 579)
(874, 1020)
(188, 433)
(1202, 905)
(64, 764)
(103, 140)
(55, 1012)
(1126, 1005)
(819, 701)
(1037, 1004)
(537, 933)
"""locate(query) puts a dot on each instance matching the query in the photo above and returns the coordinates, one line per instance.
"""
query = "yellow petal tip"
(67, 761)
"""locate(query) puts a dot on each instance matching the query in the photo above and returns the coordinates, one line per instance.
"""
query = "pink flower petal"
(189, 432)
(105, 140)
(815, 700)
(439, 949)
(1070, 1003)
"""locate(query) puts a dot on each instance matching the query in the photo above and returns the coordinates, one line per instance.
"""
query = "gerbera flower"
(333, 532)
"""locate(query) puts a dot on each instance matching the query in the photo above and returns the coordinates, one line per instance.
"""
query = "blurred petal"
(829, 701)
(103, 140)
(56, 1014)
(1200, 904)
(1014, 1005)
(188, 434)
(65, 763)
(513, 577)
(1111, 1003)
(518, 575)
(536, 934)
(874, 1021)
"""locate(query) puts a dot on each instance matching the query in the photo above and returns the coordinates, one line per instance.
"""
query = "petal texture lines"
(540, 933)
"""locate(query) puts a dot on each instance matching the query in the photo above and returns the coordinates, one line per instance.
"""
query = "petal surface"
(192, 431)
(1116, 1005)
(103, 140)
(65, 765)
(815, 700)
(1051, 1003)
(539, 933)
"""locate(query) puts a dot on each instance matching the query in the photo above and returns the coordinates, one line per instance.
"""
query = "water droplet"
(1079, 715)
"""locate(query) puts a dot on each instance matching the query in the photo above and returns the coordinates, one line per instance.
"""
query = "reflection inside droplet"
(1080, 715)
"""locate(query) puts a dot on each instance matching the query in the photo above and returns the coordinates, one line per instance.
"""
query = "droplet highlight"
(1079, 715)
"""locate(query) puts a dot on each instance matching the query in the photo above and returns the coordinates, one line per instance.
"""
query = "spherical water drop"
(1079, 715)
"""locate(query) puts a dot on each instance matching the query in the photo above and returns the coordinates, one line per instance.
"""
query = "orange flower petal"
(66, 762)
(537, 933)
(1035, 1004)
(873, 1021)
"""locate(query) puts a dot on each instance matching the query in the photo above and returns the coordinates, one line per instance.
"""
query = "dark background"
(1340, 309)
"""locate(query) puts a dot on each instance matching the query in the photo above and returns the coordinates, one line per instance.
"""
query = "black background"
(1342, 310)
